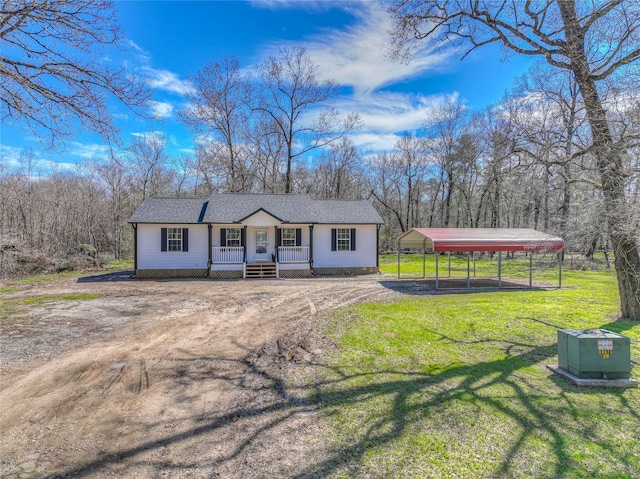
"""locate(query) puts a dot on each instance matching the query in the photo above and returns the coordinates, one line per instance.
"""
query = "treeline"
(525, 162)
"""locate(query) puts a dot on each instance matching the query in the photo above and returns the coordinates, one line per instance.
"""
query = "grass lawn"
(455, 385)
(10, 306)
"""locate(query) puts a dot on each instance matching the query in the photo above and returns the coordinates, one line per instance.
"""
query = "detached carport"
(450, 240)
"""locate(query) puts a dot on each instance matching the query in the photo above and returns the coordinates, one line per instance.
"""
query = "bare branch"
(51, 72)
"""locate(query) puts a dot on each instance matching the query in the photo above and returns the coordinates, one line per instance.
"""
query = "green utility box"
(594, 353)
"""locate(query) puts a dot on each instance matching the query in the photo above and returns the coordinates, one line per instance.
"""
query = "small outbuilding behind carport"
(450, 240)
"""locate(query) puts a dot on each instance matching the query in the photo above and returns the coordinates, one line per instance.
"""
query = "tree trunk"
(609, 162)
(287, 176)
(447, 203)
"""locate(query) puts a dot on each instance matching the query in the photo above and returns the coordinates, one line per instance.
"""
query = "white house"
(231, 235)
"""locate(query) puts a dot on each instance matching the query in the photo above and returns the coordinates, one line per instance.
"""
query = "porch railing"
(293, 254)
(228, 254)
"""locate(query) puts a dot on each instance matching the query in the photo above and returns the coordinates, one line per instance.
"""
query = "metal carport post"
(424, 258)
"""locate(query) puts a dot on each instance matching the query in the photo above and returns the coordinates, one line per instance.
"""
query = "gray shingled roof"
(234, 207)
(347, 212)
(228, 208)
(170, 210)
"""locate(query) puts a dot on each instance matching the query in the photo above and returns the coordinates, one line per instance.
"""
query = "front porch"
(286, 261)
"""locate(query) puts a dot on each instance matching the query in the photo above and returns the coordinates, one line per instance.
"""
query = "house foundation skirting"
(345, 271)
(237, 274)
(295, 273)
(171, 273)
(225, 274)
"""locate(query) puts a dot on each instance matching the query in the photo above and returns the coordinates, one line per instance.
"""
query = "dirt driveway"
(166, 378)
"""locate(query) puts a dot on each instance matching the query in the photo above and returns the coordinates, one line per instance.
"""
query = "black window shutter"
(185, 239)
(353, 239)
(242, 236)
(298, 237)
(163, 239)
(333, 239)
(223, 236)
(278, 237)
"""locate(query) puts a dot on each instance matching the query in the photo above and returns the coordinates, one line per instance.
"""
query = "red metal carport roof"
(479, 239)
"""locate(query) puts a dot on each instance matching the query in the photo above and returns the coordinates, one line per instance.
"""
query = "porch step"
(261, 270)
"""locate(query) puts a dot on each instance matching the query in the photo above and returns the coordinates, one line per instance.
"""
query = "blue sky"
(172, 39)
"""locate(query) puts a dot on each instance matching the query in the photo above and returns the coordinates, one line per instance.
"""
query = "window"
(344, 239)
(288, 236)
(233, 237)
(174, 239)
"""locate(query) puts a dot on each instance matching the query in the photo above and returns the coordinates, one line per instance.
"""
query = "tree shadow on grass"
(473, 385)
(498, 387)
(619, 326)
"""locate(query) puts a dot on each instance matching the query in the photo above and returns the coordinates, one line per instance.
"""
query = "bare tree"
(288, 89)
(113, 177)
(387, 190)
(267, 154)
(151, 176)
(218, 113)
(337, 172)
(443, 138)
(398, 181)
(593, 40)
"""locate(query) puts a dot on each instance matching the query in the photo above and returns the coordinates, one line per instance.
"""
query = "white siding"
(261, 219)
(150, 256)
(365, 254)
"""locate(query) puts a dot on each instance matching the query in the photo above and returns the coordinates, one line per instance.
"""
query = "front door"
(262, 244)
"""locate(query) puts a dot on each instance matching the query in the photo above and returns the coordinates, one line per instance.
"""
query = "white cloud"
(161, 109)
(88, 151)
(314, 5)
(9, 158)
(151, 136)
(374, 142)
(386, 115)
(397, 112)
(356, 55)
(168, 81)
(14, 159)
